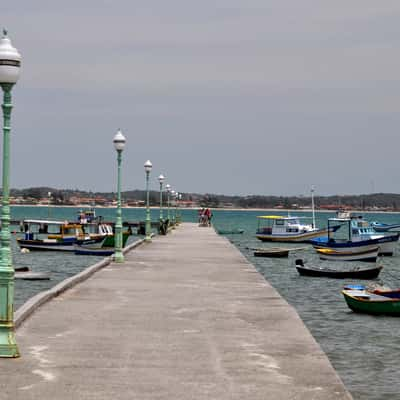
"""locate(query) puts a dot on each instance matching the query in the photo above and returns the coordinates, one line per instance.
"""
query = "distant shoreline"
(269, 210)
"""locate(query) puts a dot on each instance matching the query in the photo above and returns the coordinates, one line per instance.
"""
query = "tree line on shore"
(385, 201)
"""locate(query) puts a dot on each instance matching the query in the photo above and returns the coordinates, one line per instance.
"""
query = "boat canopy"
(43, 221)
(278, 217)
(339, 219)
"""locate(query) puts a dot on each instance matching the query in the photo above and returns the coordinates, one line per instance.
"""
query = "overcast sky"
(223, 96)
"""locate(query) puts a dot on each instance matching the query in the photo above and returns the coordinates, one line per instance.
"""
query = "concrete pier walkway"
(185, 317)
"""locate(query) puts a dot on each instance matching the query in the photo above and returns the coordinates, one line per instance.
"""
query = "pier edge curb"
(32, 304)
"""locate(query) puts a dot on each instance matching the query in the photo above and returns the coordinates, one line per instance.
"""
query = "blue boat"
(381, 227)
(354, 234)
(93, 251)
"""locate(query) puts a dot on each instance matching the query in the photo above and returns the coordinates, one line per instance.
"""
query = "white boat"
(369, 254)
(277, 228)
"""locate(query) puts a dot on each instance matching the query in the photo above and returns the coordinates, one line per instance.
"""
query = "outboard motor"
(299, 261)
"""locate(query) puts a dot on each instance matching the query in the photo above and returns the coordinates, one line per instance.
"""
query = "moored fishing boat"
(373, 302)
(109, 240)
(103, 248)
(286, 229)
(358, 272)
(271, 252)
(365, 254)
(354, 234)
(233, 231)
(93, 251)
(49, 235)
(32, 276)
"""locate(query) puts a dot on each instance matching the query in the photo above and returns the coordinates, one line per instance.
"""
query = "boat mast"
(312, 206)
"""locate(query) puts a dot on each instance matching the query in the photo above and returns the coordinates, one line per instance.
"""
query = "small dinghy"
(272, 252)
(32, 276)
(21, 269)
(234, 231)
(370, 254)
(350, 273)
(94, 251)
(375, 302)
(275, 251)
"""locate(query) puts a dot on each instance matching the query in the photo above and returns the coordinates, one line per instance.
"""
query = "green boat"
(110, 242)
(376, 302)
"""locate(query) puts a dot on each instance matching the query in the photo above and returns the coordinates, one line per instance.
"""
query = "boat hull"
(110, 240)
(386, 244)
(291, 238)
(362, 273)
(369, 255)
(51, 245)
(369, 303)
(41, 245)
(88, 251)
(271, 253)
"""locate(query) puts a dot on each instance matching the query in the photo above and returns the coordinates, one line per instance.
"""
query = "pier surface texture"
(185, 317)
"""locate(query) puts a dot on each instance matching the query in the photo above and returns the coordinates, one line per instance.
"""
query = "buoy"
(24, 250)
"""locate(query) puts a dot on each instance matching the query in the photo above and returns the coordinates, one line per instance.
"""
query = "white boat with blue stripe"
(355, 234)
(275, 228)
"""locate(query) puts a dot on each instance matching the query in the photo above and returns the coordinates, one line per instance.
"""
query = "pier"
(184, 317)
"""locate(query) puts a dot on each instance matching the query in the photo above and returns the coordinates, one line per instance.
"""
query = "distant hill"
(378, 201)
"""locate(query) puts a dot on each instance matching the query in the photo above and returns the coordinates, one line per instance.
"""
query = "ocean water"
(363, 349)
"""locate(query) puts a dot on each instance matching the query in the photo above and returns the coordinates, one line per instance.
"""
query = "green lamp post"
(147, 167)
(168, 188)
(179, 208)
(312, 205)
(49, 202)
(173, 211)
(119, 144)
(175, 196)
(161, 179)
(10, 64)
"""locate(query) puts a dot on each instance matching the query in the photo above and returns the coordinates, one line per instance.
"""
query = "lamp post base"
(119, 257)
(8, 345)
(147, 239)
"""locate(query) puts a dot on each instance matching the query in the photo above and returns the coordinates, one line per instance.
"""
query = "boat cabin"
(273, 224)
(350, 229)
(96, 229)
(33, 228)
(87, 216)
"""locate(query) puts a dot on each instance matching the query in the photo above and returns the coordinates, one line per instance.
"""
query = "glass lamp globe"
(10, 61)
(148, 166)
(119, 141)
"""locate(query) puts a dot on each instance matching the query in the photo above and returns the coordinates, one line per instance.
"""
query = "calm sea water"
(363, 349)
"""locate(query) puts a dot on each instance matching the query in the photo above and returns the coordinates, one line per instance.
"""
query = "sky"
(263, 97)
